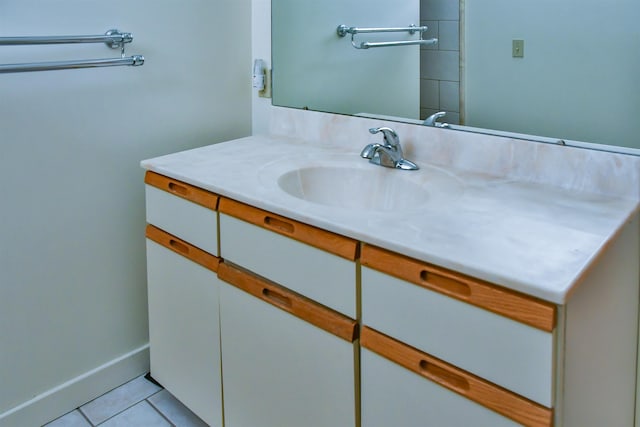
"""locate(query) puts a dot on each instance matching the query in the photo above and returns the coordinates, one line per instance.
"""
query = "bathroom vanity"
(293, 283)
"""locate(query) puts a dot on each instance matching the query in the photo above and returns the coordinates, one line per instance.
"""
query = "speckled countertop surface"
(534, 238)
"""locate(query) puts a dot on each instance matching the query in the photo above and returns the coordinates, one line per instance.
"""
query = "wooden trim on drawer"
(182, 189)
(301, 307)
(183, 248)
(321, 239)
(523, 308)
(474, 388)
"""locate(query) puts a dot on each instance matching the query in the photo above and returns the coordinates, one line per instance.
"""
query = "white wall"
(260, 48)
(556, 75)
(72, 257)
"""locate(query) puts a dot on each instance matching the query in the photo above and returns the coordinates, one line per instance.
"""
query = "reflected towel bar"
(112, 38)
(343, 30)
(135, 60)
(367, 45)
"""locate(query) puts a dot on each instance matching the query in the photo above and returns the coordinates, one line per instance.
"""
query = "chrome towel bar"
(134, 60)
(112, 38)
(343, 30)
(367, 45)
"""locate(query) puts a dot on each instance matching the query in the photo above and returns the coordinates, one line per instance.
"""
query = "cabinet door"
(279, 370)
(395, 396)
(453, 395)
(184, 330)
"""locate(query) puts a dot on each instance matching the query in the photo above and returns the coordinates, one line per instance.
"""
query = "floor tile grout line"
(79, 408)
(158, 410)
(85, 417)
(124, 410)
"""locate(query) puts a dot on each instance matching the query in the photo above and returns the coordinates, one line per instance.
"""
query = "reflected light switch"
(517, 48)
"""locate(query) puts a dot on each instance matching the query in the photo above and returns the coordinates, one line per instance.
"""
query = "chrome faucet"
(432, 120)
(389, 153)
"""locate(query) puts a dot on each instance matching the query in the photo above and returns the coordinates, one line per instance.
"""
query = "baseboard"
(64, 398)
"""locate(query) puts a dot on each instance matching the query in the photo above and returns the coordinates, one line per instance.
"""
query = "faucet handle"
(369, 151)
(390, 135)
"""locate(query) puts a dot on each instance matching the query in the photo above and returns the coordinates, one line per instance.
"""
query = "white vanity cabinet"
(183, 295)
(302, 326)
(286, 361)
(459, 343)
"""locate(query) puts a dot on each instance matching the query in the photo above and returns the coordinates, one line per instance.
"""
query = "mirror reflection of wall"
(439, 64)
(577, 80)
(315, 69)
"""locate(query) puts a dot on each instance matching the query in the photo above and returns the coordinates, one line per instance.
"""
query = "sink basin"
(369, 187)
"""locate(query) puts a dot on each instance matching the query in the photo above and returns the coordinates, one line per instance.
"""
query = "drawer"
(401, 385)
(436, 311)
(183, 210)
(312, 262)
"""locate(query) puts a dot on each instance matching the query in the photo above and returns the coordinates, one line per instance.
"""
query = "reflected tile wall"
(439, 64)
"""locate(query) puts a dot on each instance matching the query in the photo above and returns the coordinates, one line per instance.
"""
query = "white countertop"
(528, 237)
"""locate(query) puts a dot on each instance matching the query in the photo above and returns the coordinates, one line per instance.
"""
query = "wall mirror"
(566, 70)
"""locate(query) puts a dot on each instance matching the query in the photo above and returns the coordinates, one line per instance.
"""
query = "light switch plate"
(517, 48)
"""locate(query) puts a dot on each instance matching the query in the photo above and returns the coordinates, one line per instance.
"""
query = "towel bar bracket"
(118, 39)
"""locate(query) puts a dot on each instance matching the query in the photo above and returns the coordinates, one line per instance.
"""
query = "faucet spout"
(432, 120)
(389, 153)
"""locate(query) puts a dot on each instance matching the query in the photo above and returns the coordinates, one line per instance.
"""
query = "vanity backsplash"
(566, 167)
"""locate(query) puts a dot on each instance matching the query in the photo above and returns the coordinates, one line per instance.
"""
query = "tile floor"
(138, 403)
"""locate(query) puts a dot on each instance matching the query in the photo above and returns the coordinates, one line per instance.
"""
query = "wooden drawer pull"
(279, 224)
(179, 246)
(446, 284)
(286, 300)
(443, 376)
(177, 188)
(333, 243)
(522, 308)
(277, 298)
(182, 189)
